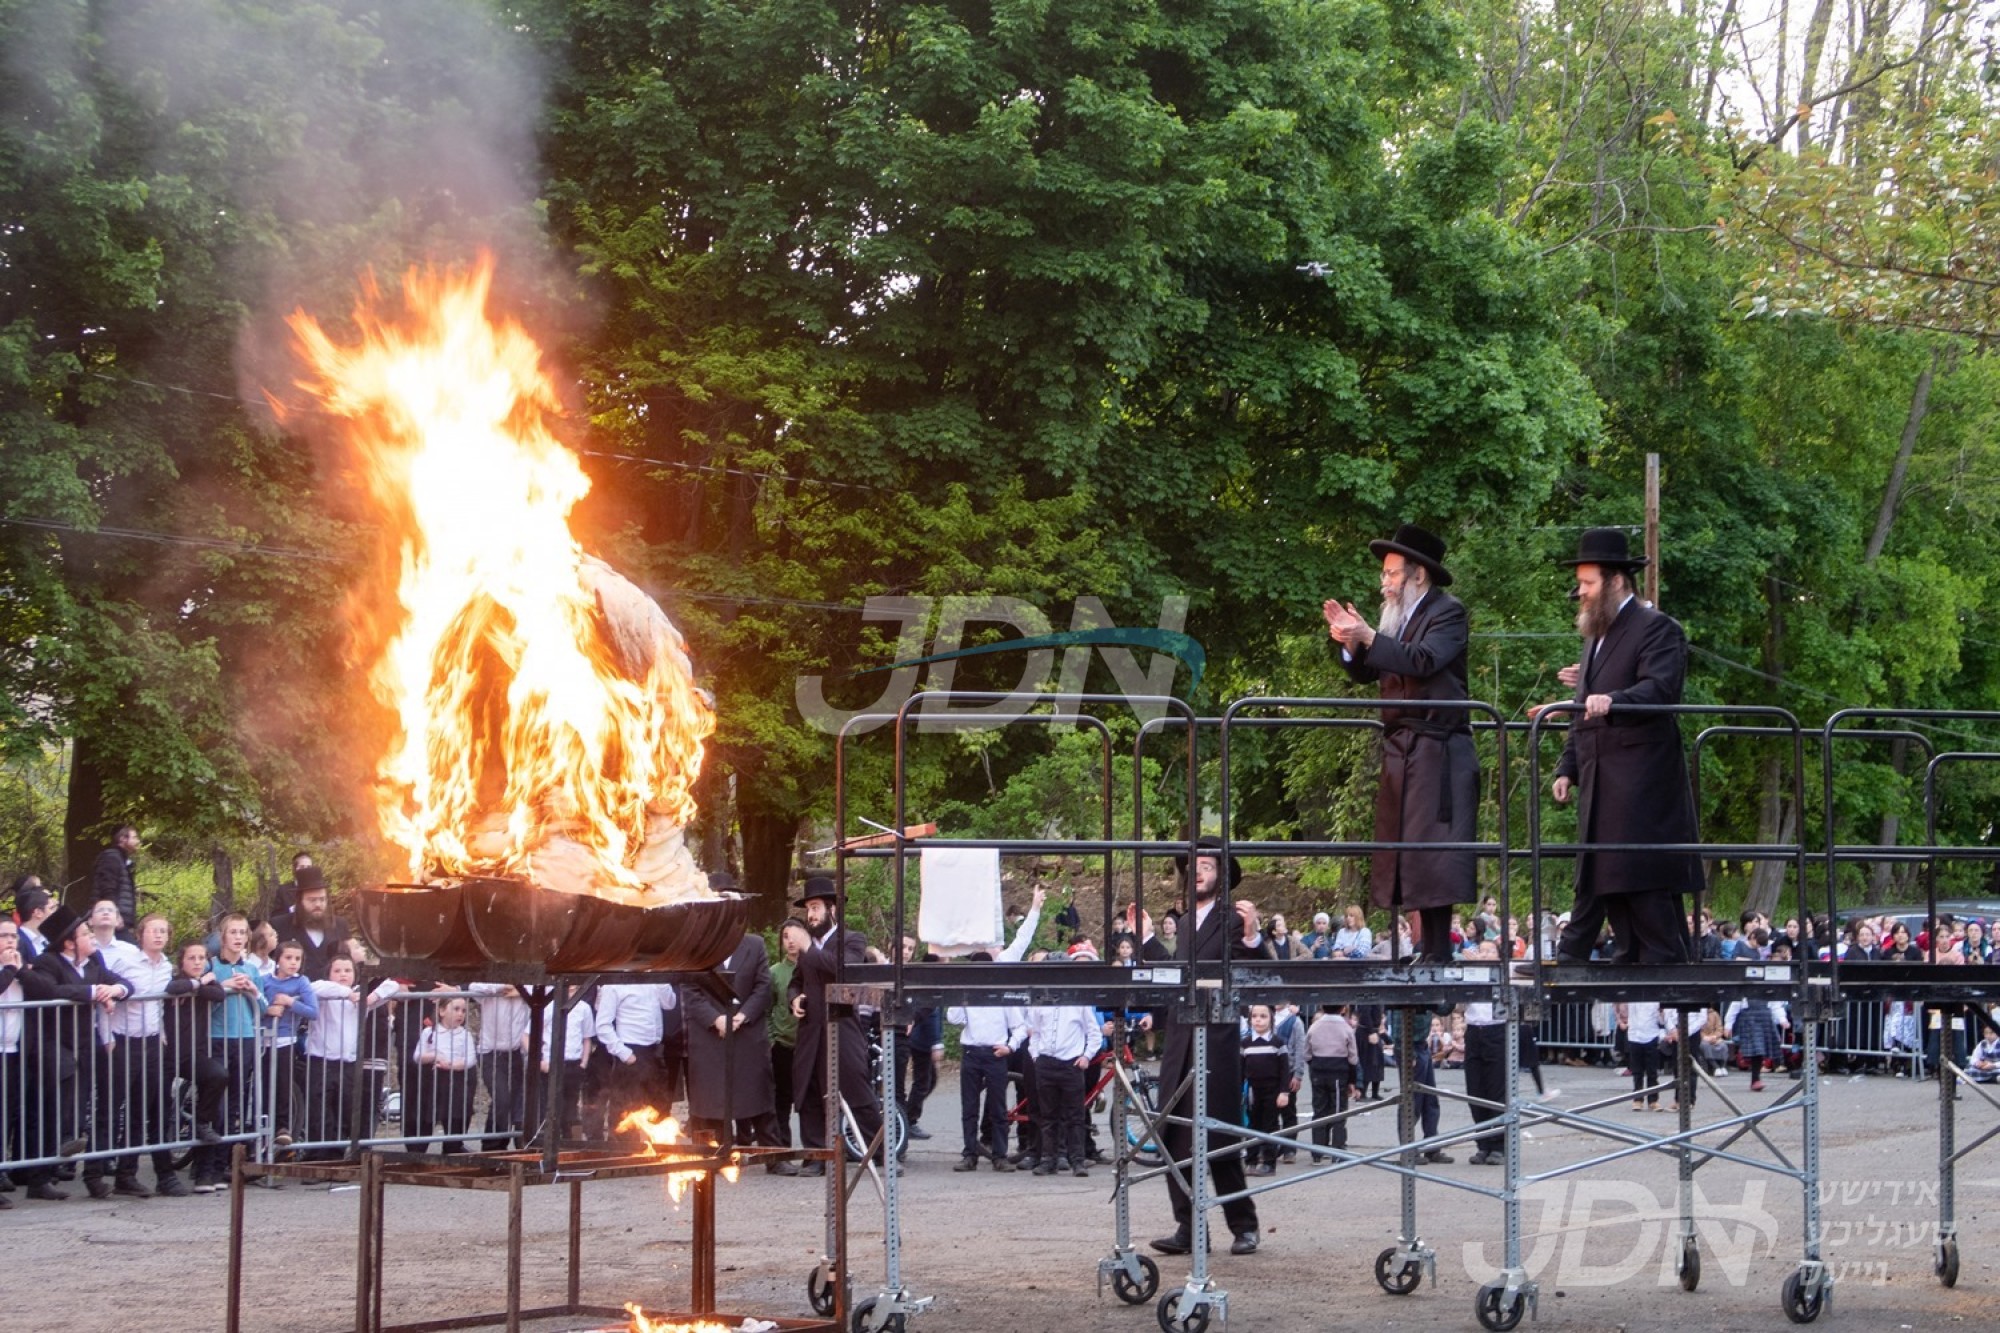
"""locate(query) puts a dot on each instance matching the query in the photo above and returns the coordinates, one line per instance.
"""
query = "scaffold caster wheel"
(819, 1292)
(1396, 1278)
(1141, 1291)
(1196, 1322)
(1946, 1265)
(1802, 1306)
(1690, 1265)
(1496, 1312)
(860, 1323)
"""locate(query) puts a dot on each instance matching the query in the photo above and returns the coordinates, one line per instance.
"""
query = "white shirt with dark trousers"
(1063, 1034)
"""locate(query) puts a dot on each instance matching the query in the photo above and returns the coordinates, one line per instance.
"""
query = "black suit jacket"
(317, 956)
(1217, 938)
(1630, 769)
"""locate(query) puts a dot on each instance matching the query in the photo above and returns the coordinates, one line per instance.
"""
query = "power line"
(174, 539)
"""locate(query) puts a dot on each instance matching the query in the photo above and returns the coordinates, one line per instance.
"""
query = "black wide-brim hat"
(1414, 543)
(1212, 845)
(59, 925)
(1605, 546)
(820, 888)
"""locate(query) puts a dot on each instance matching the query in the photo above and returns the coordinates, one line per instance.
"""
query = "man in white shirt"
(630, 1023)
(1065, 1037)
(139, 1078)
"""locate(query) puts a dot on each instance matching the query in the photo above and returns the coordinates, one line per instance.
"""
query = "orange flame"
(641, 1324)
(548, 723)
(665, 1131)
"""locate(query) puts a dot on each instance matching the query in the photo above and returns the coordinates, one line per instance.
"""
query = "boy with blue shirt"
(288, 1003)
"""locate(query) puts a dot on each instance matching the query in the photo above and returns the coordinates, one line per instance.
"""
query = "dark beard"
(1595, 614)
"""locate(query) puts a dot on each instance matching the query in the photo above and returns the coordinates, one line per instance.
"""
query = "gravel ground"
(1019, 1253)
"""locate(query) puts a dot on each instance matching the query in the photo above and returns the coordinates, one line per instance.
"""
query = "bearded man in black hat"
(1430, 775)
(1627, 771)
(1211, 931)
(833, 948)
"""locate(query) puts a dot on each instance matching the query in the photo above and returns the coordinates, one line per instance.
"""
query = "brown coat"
(1430, 775)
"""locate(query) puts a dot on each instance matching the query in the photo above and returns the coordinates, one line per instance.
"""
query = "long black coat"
(1630, 770)
(1430, 774)
(726, 1085)
(815, 971)
(1219, 937)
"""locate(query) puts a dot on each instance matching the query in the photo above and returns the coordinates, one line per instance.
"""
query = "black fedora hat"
(820, 888)
(1211, 846)
(1605, 546)
(721, 881)
(1414, 543)
(309, 878)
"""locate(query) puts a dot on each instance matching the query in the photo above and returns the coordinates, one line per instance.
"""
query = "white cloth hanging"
(958, 907)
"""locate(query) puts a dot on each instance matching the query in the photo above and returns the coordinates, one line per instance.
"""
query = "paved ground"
(1015, 1253)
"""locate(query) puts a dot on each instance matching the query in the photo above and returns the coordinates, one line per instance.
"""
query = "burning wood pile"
(547, 729)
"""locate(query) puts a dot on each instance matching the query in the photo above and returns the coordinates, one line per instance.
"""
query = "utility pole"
(1653, 528)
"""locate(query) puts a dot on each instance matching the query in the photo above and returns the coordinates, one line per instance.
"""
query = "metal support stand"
(890, 1307)
(1402, 1267)
(1500, 1303)
(1134, 1277)
(1809, 1292)
(1189, 1309)
(1687, 1253)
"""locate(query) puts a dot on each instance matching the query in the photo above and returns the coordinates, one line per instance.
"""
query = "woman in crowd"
(1353, 940)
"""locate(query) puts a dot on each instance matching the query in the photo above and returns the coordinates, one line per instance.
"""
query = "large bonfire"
(547, 722)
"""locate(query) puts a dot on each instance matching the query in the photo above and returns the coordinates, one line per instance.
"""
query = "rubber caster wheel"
(1946, 1264)
(1396, 1277)
(859, 1323)
(1690, 1267)
(819, 1293)
(1496, 1312)
(1141, 1291)
(1802, 1306)
(1197, 1322)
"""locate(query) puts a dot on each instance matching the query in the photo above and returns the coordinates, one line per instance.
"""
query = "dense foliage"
(1128, 300)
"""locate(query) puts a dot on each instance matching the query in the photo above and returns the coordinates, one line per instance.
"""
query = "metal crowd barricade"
(1955, 996)
(111, 1090)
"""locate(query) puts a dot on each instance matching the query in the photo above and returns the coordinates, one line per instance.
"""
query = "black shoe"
(1002, 1164)
(1263, 1169)
(50, 1194)
(1080, 1171)
(99, 1187)
(1045, 1170)
(967, 1164)
(1288, 1157)
(1027, 1163)
(1178, 1243)
(917, 1131)
(781, 1168)
(130, 1187)
(812, 1168)
(1062, 1164)
(170, 1186)
(1245, 1243)
(1439, 1158)
(1488, 1159)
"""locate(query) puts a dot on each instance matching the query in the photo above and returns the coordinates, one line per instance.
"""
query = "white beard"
(1396, 610)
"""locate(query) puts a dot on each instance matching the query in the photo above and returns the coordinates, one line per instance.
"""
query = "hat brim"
(1439, 574)
(1629, 562)
(816, 898)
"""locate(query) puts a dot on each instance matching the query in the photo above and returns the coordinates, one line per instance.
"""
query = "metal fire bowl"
(419, 921)
(690, 936)
(516, 922)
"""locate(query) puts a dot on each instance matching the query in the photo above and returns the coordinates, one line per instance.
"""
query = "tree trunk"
(1816, 29)
(222, 868)
(769, 838)
(1882, 874)
(1885, 518)
(1770, 879)
(83, 823)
